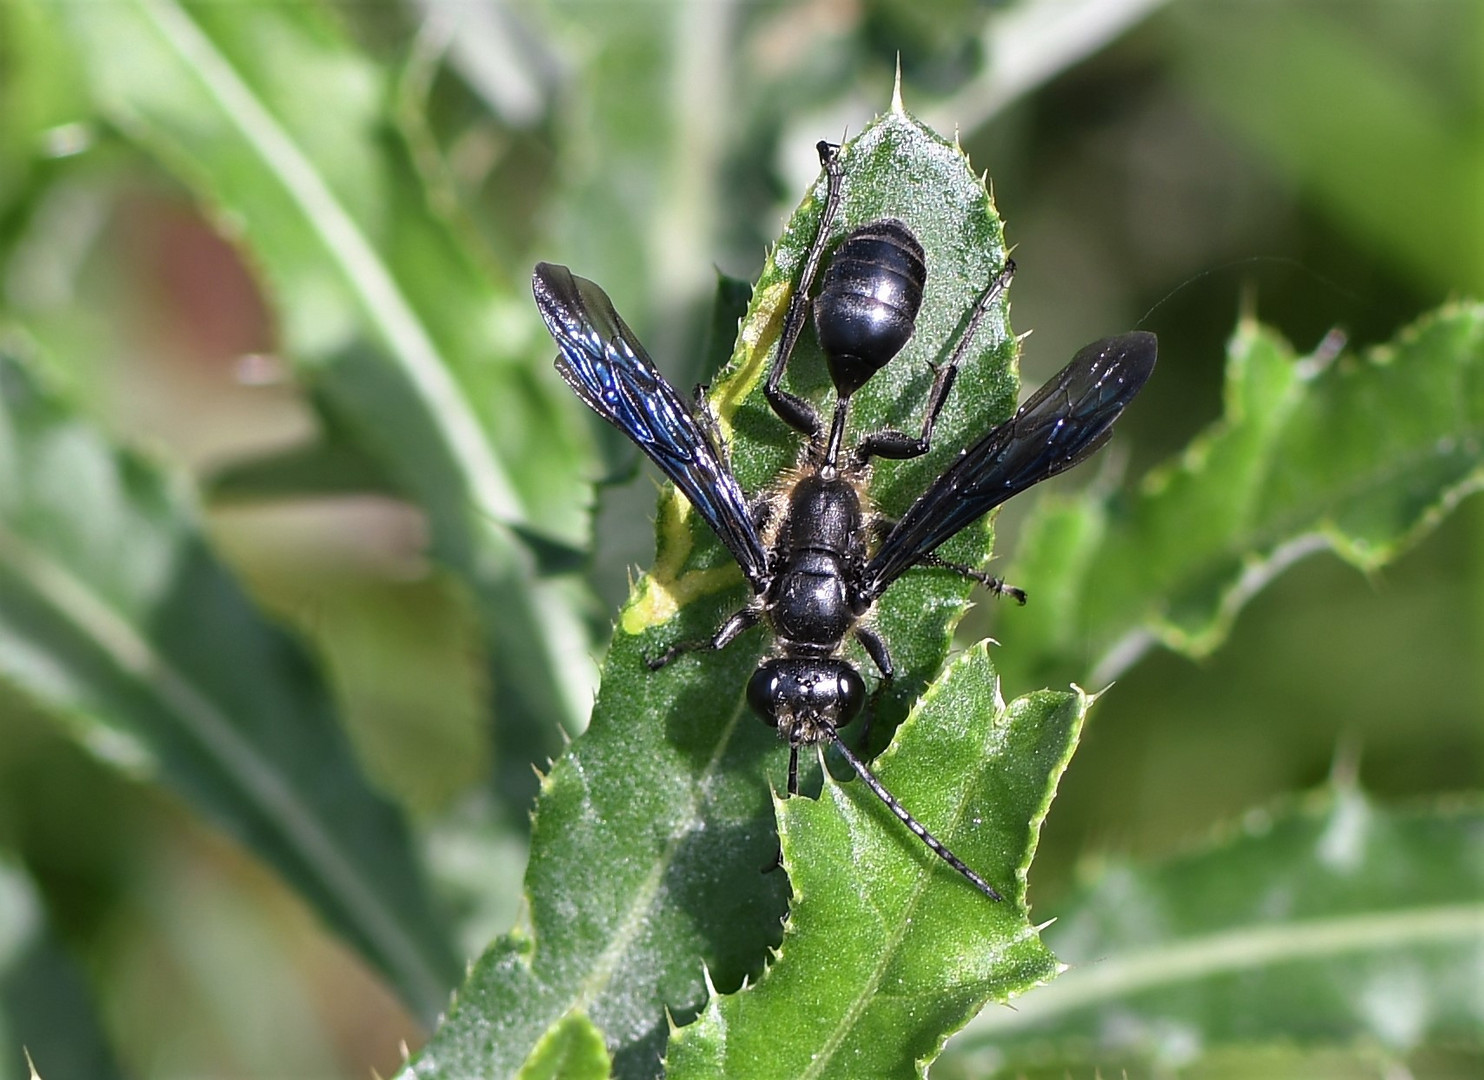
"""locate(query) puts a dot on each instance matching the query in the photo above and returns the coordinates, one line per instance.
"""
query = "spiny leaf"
(651, 832)
(1332, 923)
(887, 950)
(1361, 455)
(115, 615)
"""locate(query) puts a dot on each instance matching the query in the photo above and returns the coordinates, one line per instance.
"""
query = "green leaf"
(46, 1011)
(651, 830)
(116, 616)
(1361, 455)
(1331, 923)
(44, 108)
(640, 157)
(728, 309)
(572, 1050)
(286, 132)
(887, 950)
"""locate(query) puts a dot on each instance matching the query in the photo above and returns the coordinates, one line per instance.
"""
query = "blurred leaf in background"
(114, 615)
(287, 247)
(1307, 925)
(1360, 456)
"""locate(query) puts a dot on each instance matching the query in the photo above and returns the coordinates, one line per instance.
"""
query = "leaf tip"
(1086, 700)
(897, 107)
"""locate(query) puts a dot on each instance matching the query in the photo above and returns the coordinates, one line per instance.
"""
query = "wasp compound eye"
(804, 697)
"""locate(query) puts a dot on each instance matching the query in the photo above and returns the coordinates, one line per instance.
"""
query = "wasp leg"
(898, 445)
(936, 846)
(875, 646)
(793, 789)
(793, 410)
(998, 586)
(739, 623)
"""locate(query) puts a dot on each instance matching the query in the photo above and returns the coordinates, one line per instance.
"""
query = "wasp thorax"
(824, 514)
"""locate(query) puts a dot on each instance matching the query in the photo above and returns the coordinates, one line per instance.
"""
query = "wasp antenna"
(918, 829)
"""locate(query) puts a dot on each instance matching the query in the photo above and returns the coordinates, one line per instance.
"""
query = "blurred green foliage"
(279, 253)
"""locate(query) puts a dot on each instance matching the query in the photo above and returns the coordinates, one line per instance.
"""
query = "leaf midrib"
(1249, 948)
(382, 300)
(905, 922)
(637, 916)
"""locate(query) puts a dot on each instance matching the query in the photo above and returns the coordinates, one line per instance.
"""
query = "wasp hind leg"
(792, 409)
(996, 585)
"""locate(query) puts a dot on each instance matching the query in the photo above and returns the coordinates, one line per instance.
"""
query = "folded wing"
(607, 368)
(1062, 423)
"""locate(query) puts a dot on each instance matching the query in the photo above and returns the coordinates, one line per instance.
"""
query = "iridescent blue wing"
(1062, 423)
(606, 367)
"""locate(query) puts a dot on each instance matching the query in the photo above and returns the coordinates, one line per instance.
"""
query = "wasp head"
(808, 699)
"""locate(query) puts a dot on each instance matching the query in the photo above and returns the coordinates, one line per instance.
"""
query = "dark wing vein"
(1062, 423)
(607, 368)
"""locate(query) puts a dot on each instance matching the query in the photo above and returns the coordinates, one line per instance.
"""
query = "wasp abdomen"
(868, 303)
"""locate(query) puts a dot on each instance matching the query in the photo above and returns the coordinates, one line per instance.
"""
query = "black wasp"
(806, 548)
